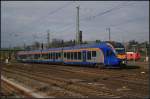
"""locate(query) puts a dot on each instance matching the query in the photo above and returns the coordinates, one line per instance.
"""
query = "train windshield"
(119, 48)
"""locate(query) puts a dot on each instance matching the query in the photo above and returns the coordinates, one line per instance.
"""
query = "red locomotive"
(133, 56)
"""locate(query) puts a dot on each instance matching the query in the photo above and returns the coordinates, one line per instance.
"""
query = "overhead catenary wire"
(69, 26)
(88, 19)
(40, 19)
(101, 13)
(105, 12)
(64, 6)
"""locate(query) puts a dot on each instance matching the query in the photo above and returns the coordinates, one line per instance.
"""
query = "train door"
(53, 54)
(109, 57)
(84, 56)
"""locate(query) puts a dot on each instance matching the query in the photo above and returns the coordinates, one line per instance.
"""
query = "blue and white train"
(98, 54)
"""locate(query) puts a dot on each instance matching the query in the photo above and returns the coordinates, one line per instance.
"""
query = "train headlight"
(123, 62)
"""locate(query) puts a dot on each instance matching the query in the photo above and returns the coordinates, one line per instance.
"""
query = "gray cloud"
(22, 20)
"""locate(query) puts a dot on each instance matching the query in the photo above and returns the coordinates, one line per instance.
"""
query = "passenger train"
(109, 54)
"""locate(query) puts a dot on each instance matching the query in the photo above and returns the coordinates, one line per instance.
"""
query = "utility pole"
(134, 52)
(48, 38)
(108, 32)
(77, 26)
(146, 58)
(9, 55)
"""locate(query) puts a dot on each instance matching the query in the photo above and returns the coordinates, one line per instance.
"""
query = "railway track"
(47, 73)
(91, 72)
(75, 87)
(15, 89)
(91, 87)
(131, 78)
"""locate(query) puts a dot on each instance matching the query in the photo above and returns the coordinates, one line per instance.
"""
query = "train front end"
(119, 51)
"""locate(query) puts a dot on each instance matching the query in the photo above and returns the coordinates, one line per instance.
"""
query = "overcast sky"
(28, 21)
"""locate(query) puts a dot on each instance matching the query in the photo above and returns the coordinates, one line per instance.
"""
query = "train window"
(75, 55)
(65, 55)
(93, 53)
(79, 55)
(28, 56)
(22, 56)
(25, 56)
(59, 55)
(53, 55)
(44, 56)
(36, 56)
(49, 56)
(56, 55)
(89, 55)
(72, 55)
(68, 55)
(31, 56)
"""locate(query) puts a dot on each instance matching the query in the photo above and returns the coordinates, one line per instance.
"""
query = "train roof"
(102, 44)
(95, 45)
(115, 44)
